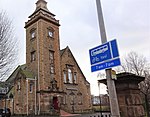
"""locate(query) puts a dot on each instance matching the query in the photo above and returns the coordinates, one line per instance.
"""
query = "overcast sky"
(128, 21)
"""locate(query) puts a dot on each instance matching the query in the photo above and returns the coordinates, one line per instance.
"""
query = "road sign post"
(110, 83)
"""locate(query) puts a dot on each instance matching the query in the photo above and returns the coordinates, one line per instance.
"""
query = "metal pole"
(5, 104)
(110, 83)
(5, 98)
(100, 100)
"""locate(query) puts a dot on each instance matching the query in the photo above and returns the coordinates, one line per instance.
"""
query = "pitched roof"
(23, 70)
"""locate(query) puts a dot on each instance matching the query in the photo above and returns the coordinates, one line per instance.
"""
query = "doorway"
(55, 103)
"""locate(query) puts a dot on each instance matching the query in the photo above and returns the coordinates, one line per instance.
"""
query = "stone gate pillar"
(128, 93)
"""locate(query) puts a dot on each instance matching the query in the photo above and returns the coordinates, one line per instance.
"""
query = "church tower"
(43, 53)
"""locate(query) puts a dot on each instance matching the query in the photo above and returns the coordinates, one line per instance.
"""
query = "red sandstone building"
(51, 79)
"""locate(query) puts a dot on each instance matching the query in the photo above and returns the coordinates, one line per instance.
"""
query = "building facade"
(51, 79)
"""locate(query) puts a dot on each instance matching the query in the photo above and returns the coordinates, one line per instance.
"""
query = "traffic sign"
(104, 56)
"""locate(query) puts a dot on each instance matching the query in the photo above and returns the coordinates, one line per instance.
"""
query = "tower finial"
(41, 4)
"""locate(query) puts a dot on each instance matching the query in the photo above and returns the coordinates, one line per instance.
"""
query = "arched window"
(33, 56)
(70, 76)
(50, 32)
(32, 33)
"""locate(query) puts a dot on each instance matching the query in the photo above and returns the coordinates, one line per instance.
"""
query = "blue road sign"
(104, 56)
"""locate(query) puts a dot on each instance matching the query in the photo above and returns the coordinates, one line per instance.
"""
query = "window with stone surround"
(70, 78)
(33, 56)
(30, 87)
(70, 74)
(75, 78)
(32, 33)
(51, 56)
(19, 85)
(50, 31)
(52, 69)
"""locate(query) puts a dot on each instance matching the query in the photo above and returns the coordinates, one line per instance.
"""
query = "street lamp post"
(110, 82)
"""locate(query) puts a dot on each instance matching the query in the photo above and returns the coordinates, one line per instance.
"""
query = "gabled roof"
(23, 70)
(66, 49)
(20, 69)
(13, 75)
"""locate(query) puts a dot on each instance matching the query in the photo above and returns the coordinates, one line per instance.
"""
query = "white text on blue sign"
(102, 55)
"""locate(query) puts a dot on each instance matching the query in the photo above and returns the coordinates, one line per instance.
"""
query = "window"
(50, 33)
(52, 71)
(70, 76)
(18, 85)
(33, 57)
(32, 34)
(75, 78)
(51, 56)
(65, 77)
(31, 87)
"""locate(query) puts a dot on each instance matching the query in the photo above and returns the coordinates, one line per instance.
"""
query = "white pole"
(27, 97)
(110, 83)
(38, 52)
(35, 98)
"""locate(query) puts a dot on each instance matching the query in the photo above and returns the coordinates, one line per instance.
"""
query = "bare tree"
(137, 64)
(8, 46)
(145, 90)
(134, 63)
